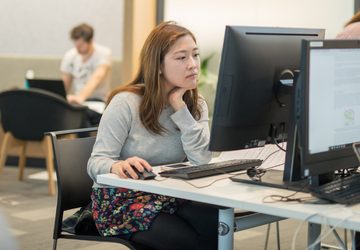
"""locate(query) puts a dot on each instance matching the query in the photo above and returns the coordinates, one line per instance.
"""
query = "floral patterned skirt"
(121, 211)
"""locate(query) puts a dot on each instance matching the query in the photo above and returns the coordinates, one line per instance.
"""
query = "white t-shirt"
(81, 71)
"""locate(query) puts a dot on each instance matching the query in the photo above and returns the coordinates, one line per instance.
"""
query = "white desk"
(236, 195)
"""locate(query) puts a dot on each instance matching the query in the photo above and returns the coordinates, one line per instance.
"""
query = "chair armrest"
(71, 131)
(78, 106)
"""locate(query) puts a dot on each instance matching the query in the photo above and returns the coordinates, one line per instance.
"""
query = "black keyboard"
(199, 171)
(345, 190)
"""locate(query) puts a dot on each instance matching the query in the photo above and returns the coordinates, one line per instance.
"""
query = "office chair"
(75, 185)
(26, 115)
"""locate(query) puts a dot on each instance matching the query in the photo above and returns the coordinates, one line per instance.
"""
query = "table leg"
(353, 242)
(314, 231)
(226, 229)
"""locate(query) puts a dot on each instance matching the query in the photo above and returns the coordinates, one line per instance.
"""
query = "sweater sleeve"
(195, 135)
(112, 133)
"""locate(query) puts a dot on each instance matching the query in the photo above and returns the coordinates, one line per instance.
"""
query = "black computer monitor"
(253, 94)
(327, 106)
(253, 104)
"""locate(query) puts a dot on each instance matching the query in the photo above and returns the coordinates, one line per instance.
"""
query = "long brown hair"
(354, 19)
(148, 82)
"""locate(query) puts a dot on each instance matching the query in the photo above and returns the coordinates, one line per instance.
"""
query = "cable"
(298, 229)
(280, 198)
(263, 148)
(277, 144)
(165, 178)
(273, 137)
(274, 166)
(304, 200)
(268, 157)
(332, 228)
(323, 235)
(306, 219)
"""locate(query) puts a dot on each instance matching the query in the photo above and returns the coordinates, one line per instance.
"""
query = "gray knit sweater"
(121, 135)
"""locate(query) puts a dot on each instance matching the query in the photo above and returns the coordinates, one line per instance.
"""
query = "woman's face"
(181, 65)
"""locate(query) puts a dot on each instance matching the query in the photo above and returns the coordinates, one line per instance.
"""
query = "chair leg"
(22, 160)
(267, 236)
(4, 149)
(54, 244)
(9, 142)
(278, 234)
(46, 144)
(345, 238)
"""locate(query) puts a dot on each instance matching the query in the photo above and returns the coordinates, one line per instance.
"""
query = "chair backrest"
(74, 184)
(27, 114)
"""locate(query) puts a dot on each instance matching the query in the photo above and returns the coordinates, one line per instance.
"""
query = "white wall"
(207, 18)
(41, 27)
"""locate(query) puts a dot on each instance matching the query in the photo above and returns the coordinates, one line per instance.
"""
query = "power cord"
(324, 233)
(274, 139)
(289, 198)
(165, 178)
(268, 157)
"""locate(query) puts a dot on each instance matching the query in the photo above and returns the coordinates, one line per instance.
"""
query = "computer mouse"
(145, 175)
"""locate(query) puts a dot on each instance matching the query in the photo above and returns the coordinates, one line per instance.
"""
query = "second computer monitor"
(327, 105)
(254, 88)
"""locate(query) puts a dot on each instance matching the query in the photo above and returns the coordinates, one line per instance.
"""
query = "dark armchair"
(27, 114)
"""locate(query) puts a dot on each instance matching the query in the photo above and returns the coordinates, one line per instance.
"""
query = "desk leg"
(226, 229)
(353, 242)
(314, 231)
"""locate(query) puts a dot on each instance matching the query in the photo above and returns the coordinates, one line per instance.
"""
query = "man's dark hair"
(83, 31)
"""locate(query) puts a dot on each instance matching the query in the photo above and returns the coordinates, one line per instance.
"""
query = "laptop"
(54, 86)
(57, 87)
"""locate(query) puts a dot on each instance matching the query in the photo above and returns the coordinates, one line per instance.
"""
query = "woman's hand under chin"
(175, 98)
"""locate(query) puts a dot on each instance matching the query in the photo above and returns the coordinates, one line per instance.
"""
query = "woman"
(351, 29)
(158, 118)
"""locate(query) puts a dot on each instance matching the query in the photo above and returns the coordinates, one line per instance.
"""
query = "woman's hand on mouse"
(121, 167)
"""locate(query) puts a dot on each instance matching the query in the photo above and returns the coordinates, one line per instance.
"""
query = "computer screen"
(328, 105)
(253, 95)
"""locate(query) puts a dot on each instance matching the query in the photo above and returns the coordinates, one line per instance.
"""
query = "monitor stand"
(290, 178)
(274, 178)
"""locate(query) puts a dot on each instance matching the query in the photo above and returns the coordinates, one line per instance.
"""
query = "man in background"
(86, 67)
